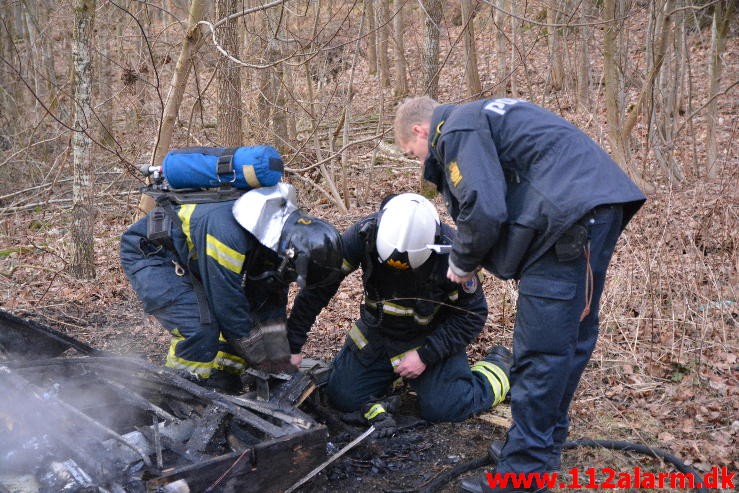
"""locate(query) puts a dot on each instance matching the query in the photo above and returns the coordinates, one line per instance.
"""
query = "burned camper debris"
(75, 419)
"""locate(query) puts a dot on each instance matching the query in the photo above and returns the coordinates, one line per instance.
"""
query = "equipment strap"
(197, 286)
(225, 166)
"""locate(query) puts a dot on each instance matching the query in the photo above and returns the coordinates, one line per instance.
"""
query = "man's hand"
(296, 359)
(411, 365)
(455, 278)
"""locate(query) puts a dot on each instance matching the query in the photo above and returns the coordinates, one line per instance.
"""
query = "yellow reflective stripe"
(395, 360)
(374, 411)
(185, 213)
(346, 267)
(250, 176)
(197, 368)
(426, 320)
(454, 295)
(497, 378)
(395, 309)
(357, 336)
(225, 256)
(229, 362)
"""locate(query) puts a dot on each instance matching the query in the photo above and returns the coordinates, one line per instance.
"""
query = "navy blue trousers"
(447, 391)
(551, 345)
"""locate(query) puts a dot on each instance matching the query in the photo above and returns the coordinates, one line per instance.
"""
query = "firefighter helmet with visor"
(407, 224)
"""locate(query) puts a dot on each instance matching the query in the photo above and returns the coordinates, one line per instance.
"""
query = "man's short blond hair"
(412, 111)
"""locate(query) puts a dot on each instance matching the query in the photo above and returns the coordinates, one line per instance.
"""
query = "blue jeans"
(551, 345)
(448, 391)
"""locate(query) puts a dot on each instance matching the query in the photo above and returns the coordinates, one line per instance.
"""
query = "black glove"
(266, 348)
(384, 423)
(377, 414)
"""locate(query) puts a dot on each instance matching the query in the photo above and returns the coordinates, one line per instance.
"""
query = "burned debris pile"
(75, 419)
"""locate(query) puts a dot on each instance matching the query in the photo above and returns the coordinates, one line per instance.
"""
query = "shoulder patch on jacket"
(454, 174)
(470, 286)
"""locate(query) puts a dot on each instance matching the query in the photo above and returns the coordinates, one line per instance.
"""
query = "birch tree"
(83, 203)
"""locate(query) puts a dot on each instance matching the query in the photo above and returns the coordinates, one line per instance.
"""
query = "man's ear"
(421, 130)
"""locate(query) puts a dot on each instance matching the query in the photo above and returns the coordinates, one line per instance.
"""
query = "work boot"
(496, 368)
(495, 449)
(501, 357)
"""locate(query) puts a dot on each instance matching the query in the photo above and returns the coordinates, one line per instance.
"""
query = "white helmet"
(408, 223)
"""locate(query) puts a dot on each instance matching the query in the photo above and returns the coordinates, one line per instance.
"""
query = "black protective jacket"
(403, 309)
(509, 170)
(218, 254)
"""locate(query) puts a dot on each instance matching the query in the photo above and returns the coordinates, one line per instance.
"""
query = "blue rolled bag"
(243, 168)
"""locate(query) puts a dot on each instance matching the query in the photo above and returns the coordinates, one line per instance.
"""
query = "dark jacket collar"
(433, 166)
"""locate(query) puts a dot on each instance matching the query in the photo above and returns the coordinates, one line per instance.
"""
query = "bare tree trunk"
(498, 8)
(230, 133)
(401, 76)
(383, 17)
(613, 84)
(348, 120)
(369, 12)
(176, 90)
(41, 57)
(276, 77)
(83, 197)
(432, 15)
(34, 52)
(722, 14)
(554, 41)
(471, 75)
(583, 58)
(664, 23)
(618, 133)
(515, 42)
(105, 108)
(501, 51)
(663, 107)
(248, 48)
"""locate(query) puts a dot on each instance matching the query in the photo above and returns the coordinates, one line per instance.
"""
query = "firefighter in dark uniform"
(219, 283)
(414, 322)
(534, 199)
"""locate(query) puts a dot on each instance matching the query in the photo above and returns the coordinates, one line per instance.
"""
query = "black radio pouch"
(159, 226)
(572, 243)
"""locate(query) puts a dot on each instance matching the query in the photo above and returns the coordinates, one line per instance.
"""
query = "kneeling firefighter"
(414, 322)
(218, 282)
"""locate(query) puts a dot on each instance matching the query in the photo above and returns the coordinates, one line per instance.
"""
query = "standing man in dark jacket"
(414, 322)
(534, 199)
(219, 281)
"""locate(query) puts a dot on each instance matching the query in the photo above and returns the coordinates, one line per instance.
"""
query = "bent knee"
(340, 398)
